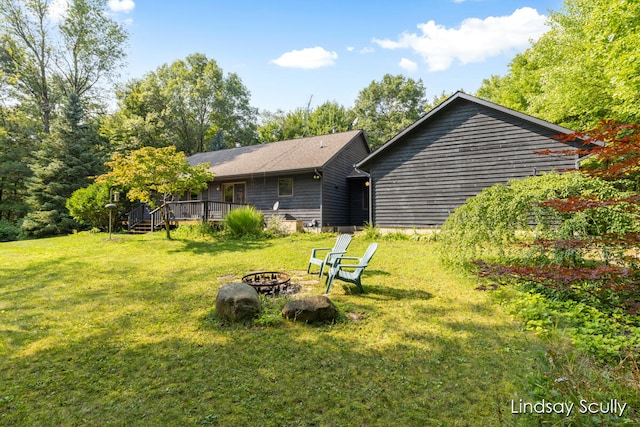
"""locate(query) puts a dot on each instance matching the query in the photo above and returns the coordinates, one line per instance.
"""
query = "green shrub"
(488, 224)
(244, 222)
(371, 232)
(87, 206)
(8, 231)
(42, 223)
(275, 226)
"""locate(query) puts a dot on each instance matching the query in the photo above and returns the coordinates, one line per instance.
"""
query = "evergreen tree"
(67, 161)
(17, 142)
(216, 142)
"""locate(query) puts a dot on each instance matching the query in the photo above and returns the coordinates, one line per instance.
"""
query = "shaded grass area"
(123, 332)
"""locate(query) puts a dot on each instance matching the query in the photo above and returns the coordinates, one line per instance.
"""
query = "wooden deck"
(142, 219)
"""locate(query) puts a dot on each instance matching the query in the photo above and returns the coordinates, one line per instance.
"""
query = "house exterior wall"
(419, 180)
(336, 191)
(262, 192)
(326, 200)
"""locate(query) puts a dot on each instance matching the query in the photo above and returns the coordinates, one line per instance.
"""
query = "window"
(233, 193)
(285, 187)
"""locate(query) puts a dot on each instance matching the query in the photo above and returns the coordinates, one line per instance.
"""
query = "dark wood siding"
(303, 205)
(421, 179)
(327, 199)
(262, 192)
(336, 194)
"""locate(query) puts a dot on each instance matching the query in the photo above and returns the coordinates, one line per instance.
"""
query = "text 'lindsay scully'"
(613, 406)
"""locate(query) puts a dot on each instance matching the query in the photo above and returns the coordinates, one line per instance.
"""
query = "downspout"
(321, 200)
(370, 200)
(317, 173)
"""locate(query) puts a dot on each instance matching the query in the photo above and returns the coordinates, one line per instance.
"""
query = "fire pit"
(268, 282)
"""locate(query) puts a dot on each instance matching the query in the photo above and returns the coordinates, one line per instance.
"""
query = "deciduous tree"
(583, 70)
(188, 103)
(156, 176)
(386, 107)
(27, 54)
(44, 56)
(328, 117)
(93, 47)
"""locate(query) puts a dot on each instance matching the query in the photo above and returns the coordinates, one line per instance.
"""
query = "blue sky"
(290, 52)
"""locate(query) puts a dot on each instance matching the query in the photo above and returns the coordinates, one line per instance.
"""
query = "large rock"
(310, 310)
(237, 301)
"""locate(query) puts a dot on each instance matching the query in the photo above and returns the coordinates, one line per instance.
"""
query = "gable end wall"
(421, 179)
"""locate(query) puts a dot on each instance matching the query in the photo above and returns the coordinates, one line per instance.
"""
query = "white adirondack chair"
(339, 248)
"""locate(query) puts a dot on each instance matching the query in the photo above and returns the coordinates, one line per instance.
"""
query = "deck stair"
(141, 227)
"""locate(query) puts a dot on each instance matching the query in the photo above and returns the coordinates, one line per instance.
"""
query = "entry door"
(234, 193)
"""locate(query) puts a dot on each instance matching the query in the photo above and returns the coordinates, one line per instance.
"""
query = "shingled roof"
(283, 156)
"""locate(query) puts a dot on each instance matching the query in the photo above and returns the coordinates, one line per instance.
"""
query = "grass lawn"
(122, 332)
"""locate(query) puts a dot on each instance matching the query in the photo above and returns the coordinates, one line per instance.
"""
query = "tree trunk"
(164, 213)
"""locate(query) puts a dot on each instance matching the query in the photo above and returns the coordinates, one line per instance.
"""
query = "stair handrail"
(156, 219)
(136, 216)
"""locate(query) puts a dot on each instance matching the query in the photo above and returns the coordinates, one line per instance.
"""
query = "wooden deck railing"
(140, 214)
(202, 210)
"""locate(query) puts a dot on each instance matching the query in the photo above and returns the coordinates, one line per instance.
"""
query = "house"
(462, 146)
(306, 179)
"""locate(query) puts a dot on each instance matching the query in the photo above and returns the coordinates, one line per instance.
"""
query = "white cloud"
(350, 48)
(366, 50)
(408, 65)
(125, 6)
(308, 58)
(474, 41)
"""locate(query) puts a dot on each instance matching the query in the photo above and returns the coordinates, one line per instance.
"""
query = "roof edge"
(344, 147)
(265, 174)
